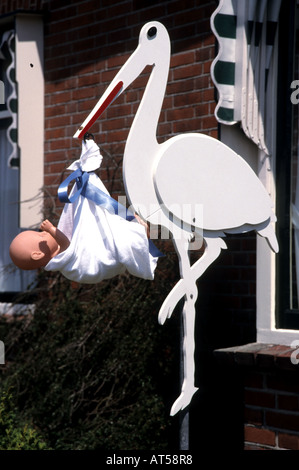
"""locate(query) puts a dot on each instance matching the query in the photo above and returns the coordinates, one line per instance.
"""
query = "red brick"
(189, 16)
(56, 168)
(181, 86)
(118, 111)
(89, 79)
(49, 181)
(213, 133)
(164, 130)
(122, 9)
(209, 122)
(55, 63)
(267, 356)
(282, 421)
(182, 59)
(51, 111)
(54, 39)
(188, 71)
(288, 402)
(180, 113)
(283, 360)
(207, 95)
(58, 121)
(289, 383)
(206, 67)
(186, 126)
(54, 133)
(253, 416)
(59, 144)
(87, 6)
(187, 99)
(202, 109)
(60, 97)
(85, 92)
(288, 441)
(120, 135)
(259, 398)
(259, 435)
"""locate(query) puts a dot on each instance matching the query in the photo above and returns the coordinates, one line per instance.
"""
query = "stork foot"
(171, 301)
(183, 400)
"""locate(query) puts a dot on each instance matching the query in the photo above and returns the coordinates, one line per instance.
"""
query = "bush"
(92, 368)
(13, 434)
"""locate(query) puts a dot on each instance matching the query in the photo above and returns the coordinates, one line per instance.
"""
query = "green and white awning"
(8, 42)
(246, 32)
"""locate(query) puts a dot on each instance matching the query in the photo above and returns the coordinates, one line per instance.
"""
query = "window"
(278, 306)
(277, 282)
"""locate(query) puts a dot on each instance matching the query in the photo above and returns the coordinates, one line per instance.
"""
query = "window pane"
(11, 278)
(9, 182)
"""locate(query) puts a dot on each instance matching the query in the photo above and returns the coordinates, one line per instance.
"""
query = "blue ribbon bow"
(96, 195)
(92, 193)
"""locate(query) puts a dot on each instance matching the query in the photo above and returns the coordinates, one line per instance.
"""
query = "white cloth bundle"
(102, 244)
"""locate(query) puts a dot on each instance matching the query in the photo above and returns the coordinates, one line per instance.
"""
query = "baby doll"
(90, 243)
(32, 250)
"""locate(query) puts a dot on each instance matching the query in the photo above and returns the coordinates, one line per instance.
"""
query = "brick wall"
(270, 408)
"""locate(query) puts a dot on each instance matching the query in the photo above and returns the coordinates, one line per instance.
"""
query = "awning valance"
(8, 42)
(246, 31)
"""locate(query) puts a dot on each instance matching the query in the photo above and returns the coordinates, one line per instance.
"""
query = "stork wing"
(197, 174)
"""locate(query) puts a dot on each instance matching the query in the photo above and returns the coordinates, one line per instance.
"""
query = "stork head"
(154, 46)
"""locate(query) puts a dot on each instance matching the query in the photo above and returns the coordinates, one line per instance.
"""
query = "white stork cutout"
(188, 170)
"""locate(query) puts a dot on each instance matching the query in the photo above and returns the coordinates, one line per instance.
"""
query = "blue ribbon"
(96, 195)
(91, 192)
(81, 178)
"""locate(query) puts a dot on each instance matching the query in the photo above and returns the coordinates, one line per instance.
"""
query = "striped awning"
(8, 42)
(246, 32)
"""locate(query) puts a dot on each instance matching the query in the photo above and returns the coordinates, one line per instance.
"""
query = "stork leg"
(187, 284)
(212, 251)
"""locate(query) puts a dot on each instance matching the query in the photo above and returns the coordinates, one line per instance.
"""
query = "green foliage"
(92, 367)
(13, 434)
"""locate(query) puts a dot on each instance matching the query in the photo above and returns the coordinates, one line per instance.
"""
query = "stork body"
(218, 189)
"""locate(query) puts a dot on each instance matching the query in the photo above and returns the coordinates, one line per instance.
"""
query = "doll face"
(32, 250)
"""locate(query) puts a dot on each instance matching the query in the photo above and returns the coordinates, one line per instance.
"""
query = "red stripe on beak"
(101, 109)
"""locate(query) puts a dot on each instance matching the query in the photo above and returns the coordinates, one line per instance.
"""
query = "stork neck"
(144, 128)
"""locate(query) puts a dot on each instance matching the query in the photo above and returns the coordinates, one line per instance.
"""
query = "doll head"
(32, 250)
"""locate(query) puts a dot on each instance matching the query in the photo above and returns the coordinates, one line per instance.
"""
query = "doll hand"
(46, 226)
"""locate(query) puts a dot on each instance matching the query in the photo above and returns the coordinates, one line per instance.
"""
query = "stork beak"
(127, 74)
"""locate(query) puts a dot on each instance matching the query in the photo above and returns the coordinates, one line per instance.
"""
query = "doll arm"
(142, 222)
(58, 236)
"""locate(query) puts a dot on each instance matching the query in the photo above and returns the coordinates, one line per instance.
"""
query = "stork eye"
(152, 32)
